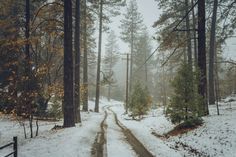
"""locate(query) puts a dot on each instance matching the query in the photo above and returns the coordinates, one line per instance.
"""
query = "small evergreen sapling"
(140, 101)
(185, 103)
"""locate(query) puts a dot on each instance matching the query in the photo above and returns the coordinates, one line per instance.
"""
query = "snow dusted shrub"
(55, 108)
(140, 101)
(185, 104)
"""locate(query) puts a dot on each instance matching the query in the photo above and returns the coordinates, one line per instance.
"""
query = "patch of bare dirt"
(180, 131)
(189, 149)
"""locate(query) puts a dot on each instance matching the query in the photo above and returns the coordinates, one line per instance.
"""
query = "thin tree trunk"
(146, 72)
(212, 55)
(109, 92)
(163, 88)
(188, 34)
(202, 55)
(216, 81)
(27, 29)
(99, 58)
(194, 34)
(127, 85)
(31, 125)
(23, 124)
(131, 60)
(69, 120)
(110, 73)
(37, 127)
(77, 62)
(27, 65)
(85, 65)
(189, 53)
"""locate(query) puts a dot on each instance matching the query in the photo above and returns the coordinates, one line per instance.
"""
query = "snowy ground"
(116, 143)
(71, 142)
(216, 138)
(142, 130)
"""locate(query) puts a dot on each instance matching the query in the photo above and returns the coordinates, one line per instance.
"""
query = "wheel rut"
(137, 146)
(99, 148)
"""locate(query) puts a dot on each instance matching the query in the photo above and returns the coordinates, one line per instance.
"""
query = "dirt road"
(121, 137)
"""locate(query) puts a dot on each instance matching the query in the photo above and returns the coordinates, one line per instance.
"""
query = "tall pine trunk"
(28, 66)
(188, 34)
(99, 58)
(212, 55)
(85, 65)
(202, 89)
(77, 62)
(146, 71)
(194, 34)
(110, 73)
(69, 120)
(131, 59)
(189, 53)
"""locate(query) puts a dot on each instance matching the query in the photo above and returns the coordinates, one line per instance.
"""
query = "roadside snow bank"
(216, 138)
(71, 142)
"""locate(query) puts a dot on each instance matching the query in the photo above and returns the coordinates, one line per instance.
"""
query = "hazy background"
(150, 12)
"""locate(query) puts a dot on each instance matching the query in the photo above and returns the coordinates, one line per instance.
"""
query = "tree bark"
(212, 55)
(217, 91)
(188, 34)
(194, 34)
(202, 89)
(69, 120)
(131, 58)
(110, 73)
(127, 85)
(85, 65)
(99, 58)
(28, 66)
(77, 62)
(146, 71)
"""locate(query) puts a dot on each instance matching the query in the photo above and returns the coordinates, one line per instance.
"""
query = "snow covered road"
(115, 139)
(216, 138)
(117, 144)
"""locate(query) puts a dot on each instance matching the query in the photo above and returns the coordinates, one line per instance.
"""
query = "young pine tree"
(140, 101)
(185, 103)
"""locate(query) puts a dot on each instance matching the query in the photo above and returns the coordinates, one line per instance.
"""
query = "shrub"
(186, 102)
(140, 101)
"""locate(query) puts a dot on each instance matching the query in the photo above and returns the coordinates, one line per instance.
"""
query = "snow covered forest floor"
(215, 138)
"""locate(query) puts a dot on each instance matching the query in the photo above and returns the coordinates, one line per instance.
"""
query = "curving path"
(114, 139)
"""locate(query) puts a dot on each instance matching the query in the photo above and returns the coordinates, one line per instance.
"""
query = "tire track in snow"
(99, 148)
(133, 141)
(117, 145)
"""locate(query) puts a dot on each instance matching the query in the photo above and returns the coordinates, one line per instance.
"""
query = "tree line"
(48, 57)
(194, 33)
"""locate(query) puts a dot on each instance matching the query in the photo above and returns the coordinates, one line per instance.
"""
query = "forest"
(131, 78)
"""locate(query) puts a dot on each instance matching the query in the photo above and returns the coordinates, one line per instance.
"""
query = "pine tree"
(140, 101)
(211, 89)
(102, 3)
(85, 56)
(110, 59)
(69, 120)
(142, 51)
(185, 103)
(131, 26)
(77, 63)
(88, 45)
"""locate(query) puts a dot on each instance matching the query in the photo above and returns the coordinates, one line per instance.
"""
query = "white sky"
(150, 12)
